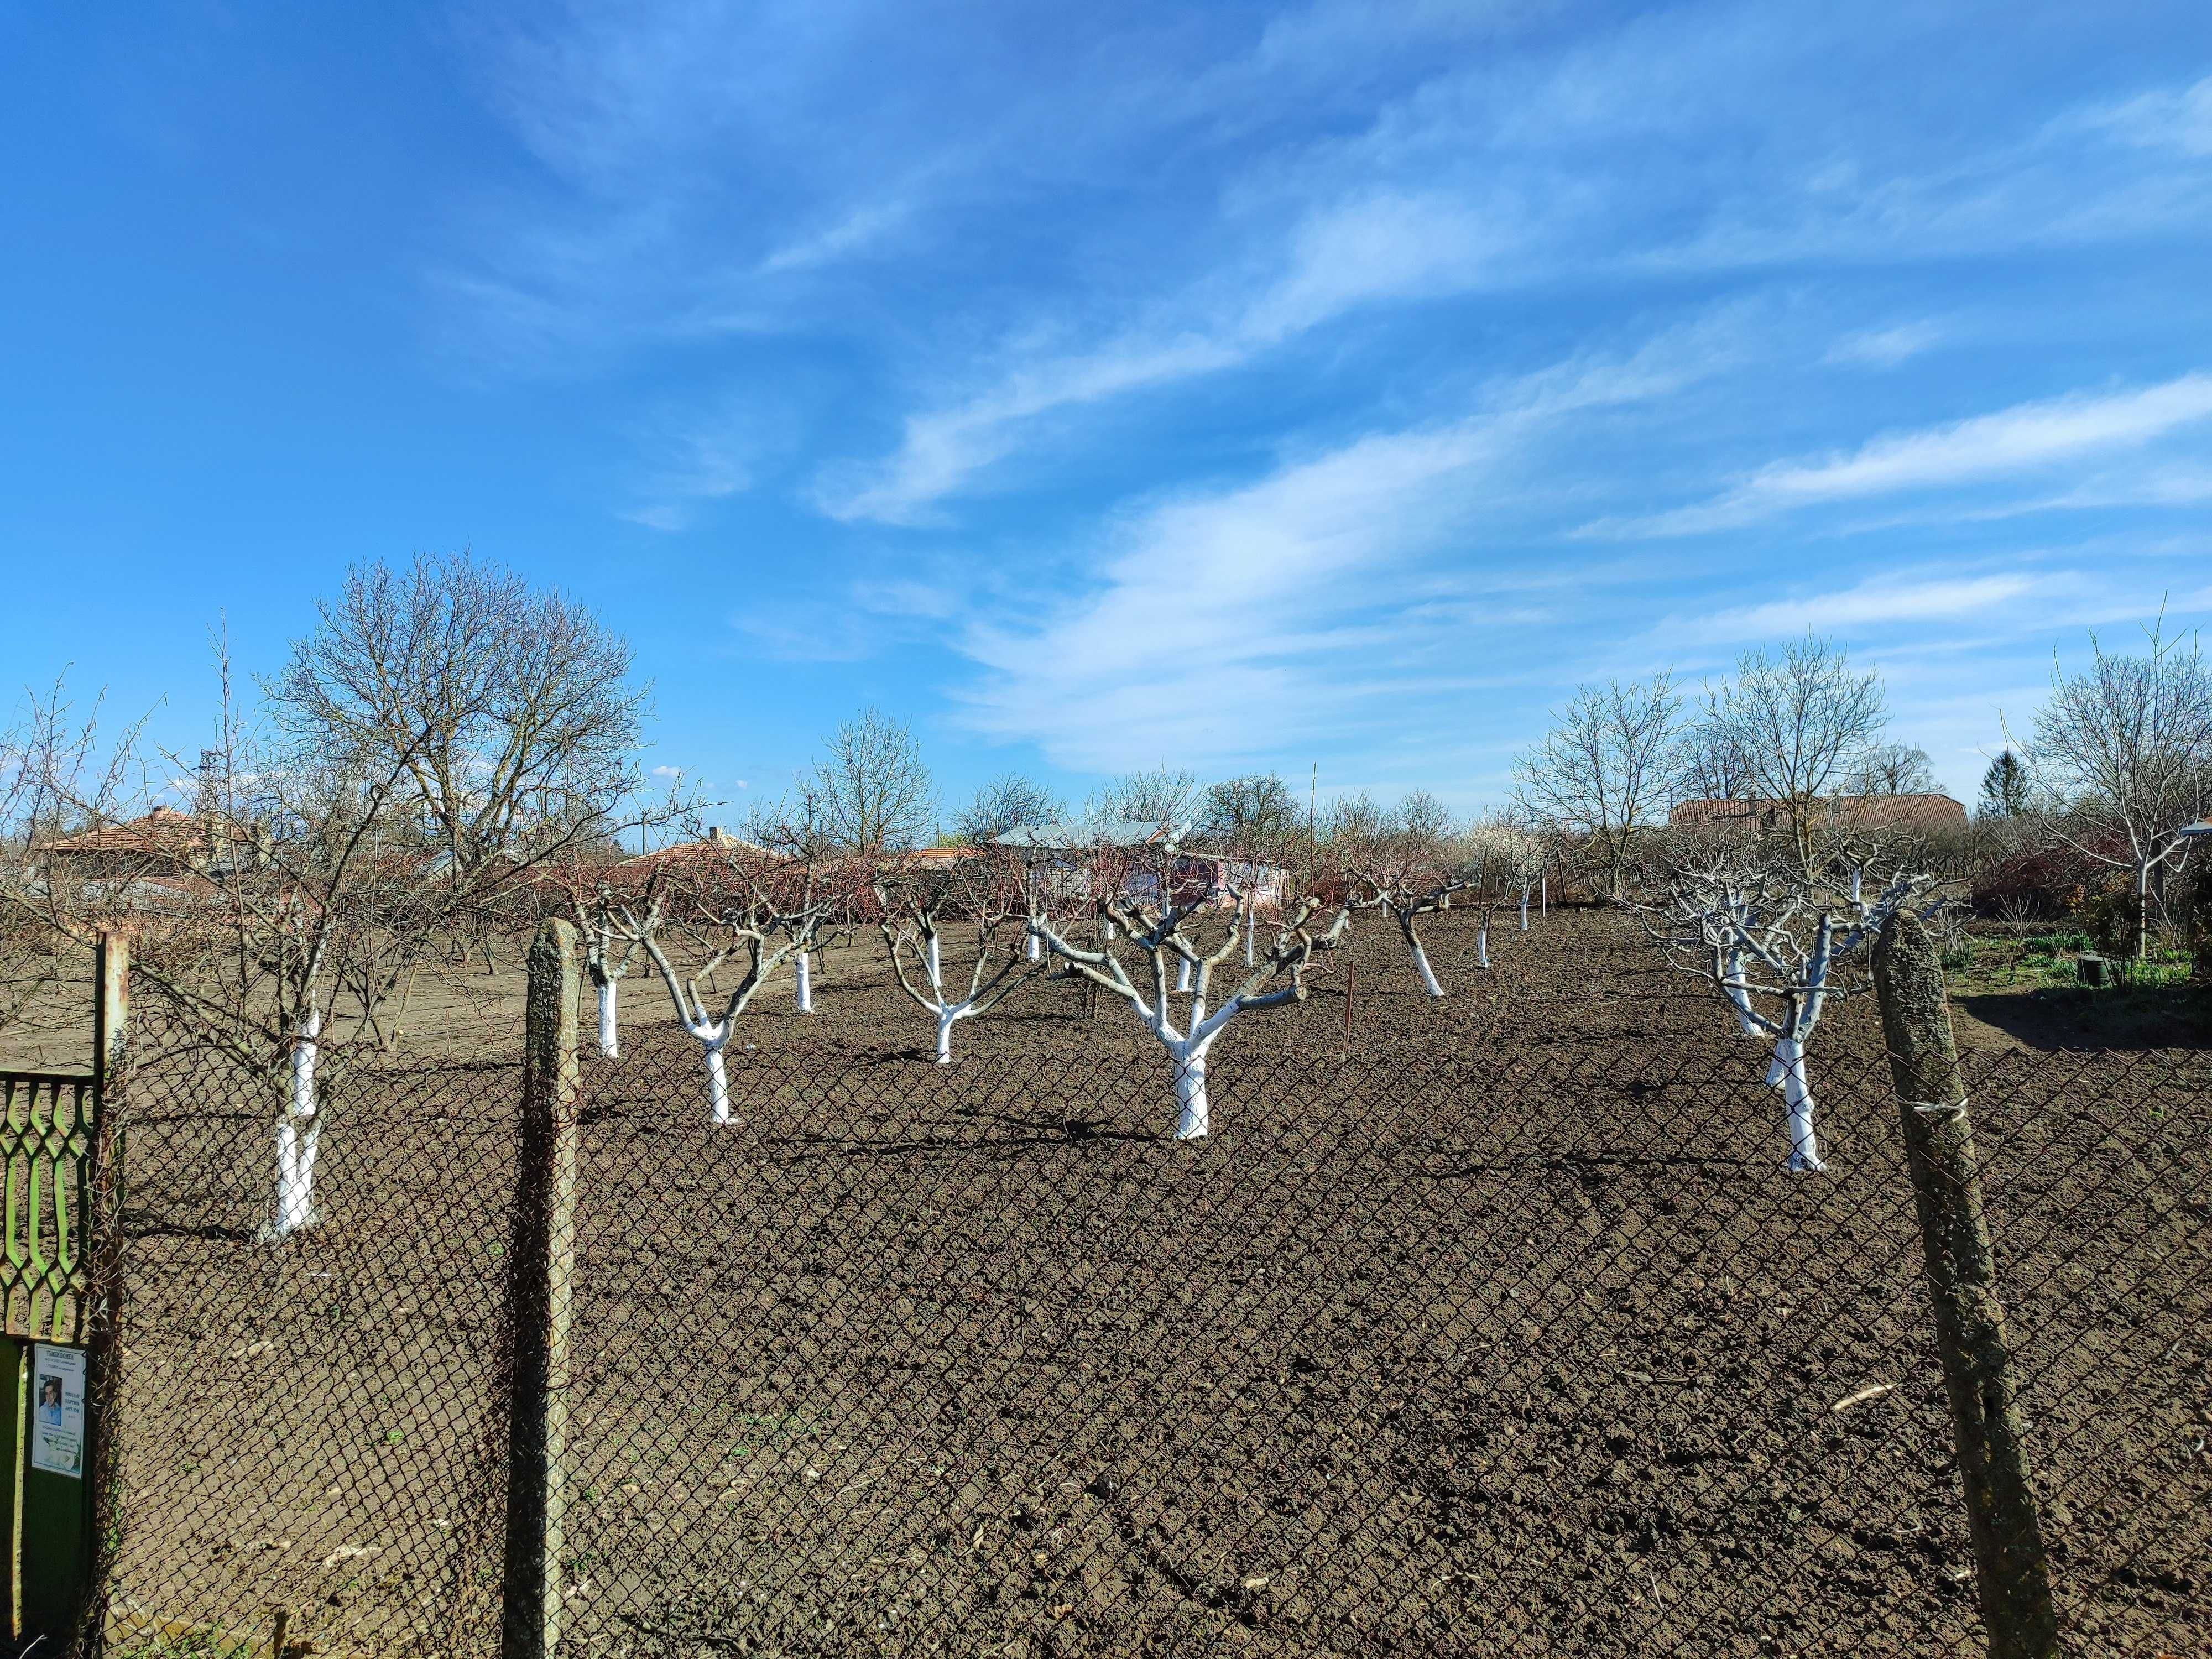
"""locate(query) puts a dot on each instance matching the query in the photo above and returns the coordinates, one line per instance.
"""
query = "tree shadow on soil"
(2063, 1017)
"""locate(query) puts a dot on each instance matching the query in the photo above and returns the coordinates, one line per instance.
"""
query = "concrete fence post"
(538, 1301)
(2011, 1568)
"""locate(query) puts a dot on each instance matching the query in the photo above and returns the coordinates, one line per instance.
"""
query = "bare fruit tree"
(1406, 884)
(1161, 934)
(611, 942)
(1774, 943)
(1798, 720)
(2127, 742)
(1600, 772)
(983, 891)
(874, 794)
(724, 903)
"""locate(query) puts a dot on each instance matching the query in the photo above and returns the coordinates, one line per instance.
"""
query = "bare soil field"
(1483, 1326)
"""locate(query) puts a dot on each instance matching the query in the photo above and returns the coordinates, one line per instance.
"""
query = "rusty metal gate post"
(2011, 1568)
(541, 1280)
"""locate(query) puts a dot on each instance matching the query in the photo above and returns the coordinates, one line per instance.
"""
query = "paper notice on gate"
(57, 1410)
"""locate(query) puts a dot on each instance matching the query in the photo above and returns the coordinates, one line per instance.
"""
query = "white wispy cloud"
(1885, 347)
(2009, 441)
(1216, 619)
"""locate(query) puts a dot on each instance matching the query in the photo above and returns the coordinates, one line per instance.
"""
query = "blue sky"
(1231, 385)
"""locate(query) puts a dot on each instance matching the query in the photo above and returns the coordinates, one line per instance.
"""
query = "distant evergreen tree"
(2004, 787)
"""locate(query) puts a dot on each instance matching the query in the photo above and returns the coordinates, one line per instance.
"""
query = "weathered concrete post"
(539, 1300)
(2012, 1570)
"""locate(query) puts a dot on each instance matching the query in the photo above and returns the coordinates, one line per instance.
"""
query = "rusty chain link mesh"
(1499, 1353)
(313, 1425)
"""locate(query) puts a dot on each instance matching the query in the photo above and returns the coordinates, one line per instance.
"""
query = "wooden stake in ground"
(2012, 1570)
(539, 1297)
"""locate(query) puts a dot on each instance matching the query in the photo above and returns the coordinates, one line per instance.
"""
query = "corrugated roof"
(1112, 832)
(164, 830)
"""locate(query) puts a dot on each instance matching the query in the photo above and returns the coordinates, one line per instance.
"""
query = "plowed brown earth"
(1491, 1326)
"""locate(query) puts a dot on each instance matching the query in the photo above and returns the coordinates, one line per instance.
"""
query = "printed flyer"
(57, 1410)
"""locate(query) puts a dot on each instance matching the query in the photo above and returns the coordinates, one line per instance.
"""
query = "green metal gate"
(58, 1170)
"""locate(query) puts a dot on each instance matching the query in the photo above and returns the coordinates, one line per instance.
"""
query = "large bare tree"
(507, 711)
(1799, 718)
(1254, 815)
(1602, 770)
(2129, 742)
(875, 795)
(1164, 795)
(1893, 769)
(1007, 802)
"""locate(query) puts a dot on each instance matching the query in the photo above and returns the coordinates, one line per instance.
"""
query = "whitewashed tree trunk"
(609, 1044)
(936, 965)
(1251, 931)
(298, 1136)
(1428, 973)
(1192, 1117)
(946, 1019)
(805, 983)
(1183, 979)
(1482, 945)
(1788, 1072)
(718, 1080)
(1524, 909)
(1106, 928)
(1544, 897)
(1035, 951)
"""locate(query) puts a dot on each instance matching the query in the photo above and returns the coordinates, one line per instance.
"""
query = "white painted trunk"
(1855, 884)
(1544, 897)
(1191, 1118)
(945, 1016)
(1524, 909)
(936, 963)
(1428, 973)
(806, 984)
(1183, 979)
(298, 1136)
(1482, 947)
(718, 1086)
(1106, 928)
(1251, 942)
(1037, 947)
(1788, 1071)
(608, 1044)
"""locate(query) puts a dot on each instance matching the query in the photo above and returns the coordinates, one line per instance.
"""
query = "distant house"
(164, 840)
(1925, 813)
(1074, 852)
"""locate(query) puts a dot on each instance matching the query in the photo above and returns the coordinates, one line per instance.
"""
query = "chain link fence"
(1500, 1352)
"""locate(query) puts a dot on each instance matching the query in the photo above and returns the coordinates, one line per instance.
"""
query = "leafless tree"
(876, 795)
(1772, 941)
(985, 890)
(1406, 884)
(1254, 815)
(724, 901)
(1709, 763)
(1800, 718)
(1602, 770)
(1422, 821)
(1892, 769)
(507, 711)
(2128, 742)
(1162, 932)
(1163, 795)
(1006, 802)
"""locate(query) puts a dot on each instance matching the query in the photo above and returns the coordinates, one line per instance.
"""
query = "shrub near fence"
(1470, 1356)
